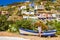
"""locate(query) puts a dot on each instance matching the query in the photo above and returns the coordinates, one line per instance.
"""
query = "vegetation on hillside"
(14, 24)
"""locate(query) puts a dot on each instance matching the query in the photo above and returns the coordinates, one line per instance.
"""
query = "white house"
(39, 7)
(53, 15)
(23, 7)
(31, 17)
(4, 12)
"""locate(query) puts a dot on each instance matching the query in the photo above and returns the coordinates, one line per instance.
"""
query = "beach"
(8, 34)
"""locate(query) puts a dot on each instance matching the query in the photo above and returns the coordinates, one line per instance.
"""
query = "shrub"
(26, 24)
(3, 23)
(13, 28)
(55, 25)
(48, 8)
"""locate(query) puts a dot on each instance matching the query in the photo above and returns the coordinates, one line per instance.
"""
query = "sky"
(5, 2)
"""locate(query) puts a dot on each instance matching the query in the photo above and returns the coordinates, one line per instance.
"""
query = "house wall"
(4, 12)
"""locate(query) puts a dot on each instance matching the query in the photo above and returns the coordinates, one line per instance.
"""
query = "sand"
(11, 38)
(8, 34)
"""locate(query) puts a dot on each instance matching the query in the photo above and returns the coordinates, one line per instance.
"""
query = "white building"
(39, 7)
(23, 7)
(30, 17)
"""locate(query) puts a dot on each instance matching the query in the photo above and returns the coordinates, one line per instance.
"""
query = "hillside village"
(34, 19)
(39, 9)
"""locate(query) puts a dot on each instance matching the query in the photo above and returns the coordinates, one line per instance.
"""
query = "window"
(59, 16)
